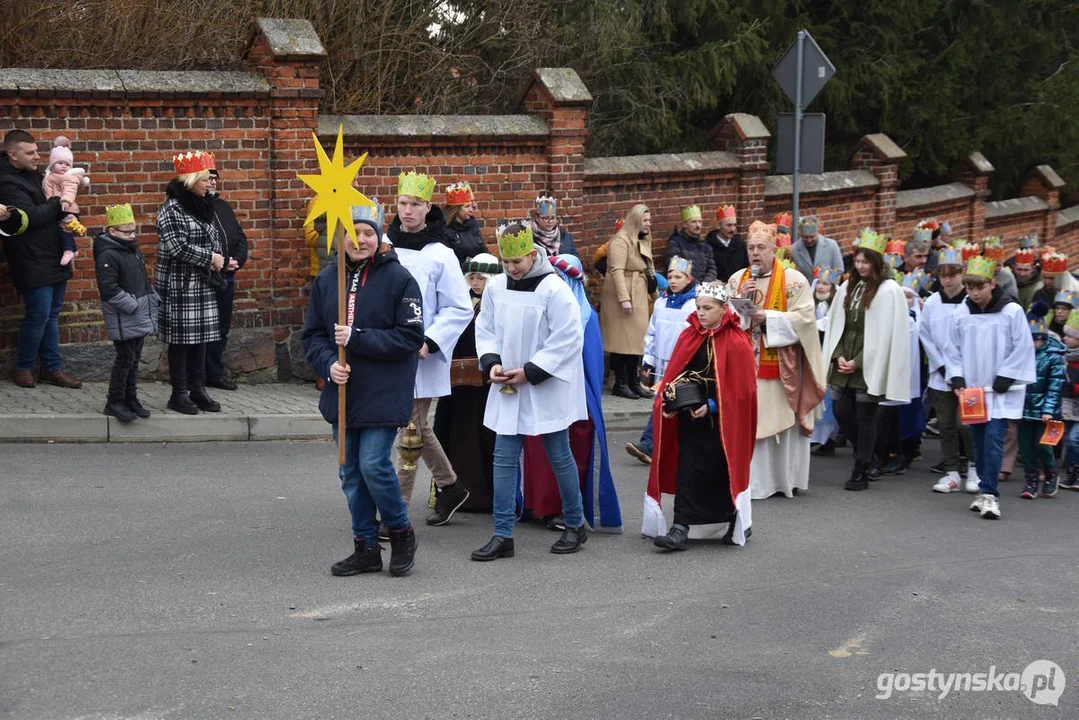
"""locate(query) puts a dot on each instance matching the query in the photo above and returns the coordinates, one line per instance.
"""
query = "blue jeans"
(1073, 443)
(507, 462)
(370, 483)
(989, 453)
(39, 334)
(646, 436)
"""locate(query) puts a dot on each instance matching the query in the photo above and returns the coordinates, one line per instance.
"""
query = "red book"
(972, 407)
(1054, 432)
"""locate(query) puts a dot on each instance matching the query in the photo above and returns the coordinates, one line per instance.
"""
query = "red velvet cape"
(736, 397)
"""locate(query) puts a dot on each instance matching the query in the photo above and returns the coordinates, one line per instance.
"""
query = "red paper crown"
(459, 194)
(618, 225)
(894, 247)
(971, 250)
(726, 212)
(1055, 263)
(995, 253)
(1047, 251)
(785, 219)
(1024, 256)
(193, 162)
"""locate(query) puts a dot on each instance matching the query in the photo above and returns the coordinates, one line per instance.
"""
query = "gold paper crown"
(691, 212)
(871, 240)
(1073, 320)
(982, 267)
(762, 230)
(119, 215)
(416, 185)
(511, 247)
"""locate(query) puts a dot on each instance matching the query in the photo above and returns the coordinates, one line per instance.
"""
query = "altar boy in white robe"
(417, 237)
(790, 372)
(991, 348)
(529, 338)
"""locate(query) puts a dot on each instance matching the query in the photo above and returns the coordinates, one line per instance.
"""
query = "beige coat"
(626, 280)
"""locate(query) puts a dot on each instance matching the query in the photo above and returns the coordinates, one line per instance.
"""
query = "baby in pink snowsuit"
(63, 181)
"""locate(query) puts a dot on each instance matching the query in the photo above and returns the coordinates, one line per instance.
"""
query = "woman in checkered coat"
(190, 255)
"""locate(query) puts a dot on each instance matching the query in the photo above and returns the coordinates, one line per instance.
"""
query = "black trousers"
(857, 418)
(215, 351)
(123, 381)
(187, 367)
(625, 368)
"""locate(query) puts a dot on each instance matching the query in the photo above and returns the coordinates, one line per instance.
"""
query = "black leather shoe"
(641, 391)
(136, 407)
(119, 410)
(363, 560)
(624, 392)
(204, 402)
(402, 551)
(825, 449)
(677, 538)
(496, 547)
(859, 479)
(571, 541)
(221, 383)
(181, 403)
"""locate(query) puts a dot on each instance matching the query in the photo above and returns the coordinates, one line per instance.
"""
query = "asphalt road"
(192, 581)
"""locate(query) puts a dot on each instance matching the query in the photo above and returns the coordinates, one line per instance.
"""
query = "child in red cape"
(702, 452)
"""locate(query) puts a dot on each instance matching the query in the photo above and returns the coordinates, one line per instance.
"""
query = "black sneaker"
(119, 410)
(932, 428)
(402, 551)
(939, 468)
(1030, 489)
(448, 500)
(677, 538)
(363, 560)
(825, 449)
(136, 407)
(383, 532)
(894, 466)
(1049, 485)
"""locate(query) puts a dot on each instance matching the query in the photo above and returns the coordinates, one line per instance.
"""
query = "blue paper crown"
(1065, 297)
(373, 214)
(829, 275)
(893, 260)
(951, 256)
(1028, 241)
(1037, 327)
(546, 206)
(681, 265)
(916, 280)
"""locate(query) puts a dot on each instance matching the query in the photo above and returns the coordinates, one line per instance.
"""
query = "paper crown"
(484, 264)
(982, 267)
(546, 206)
(1066, 297)
(1054, 263)
(416, 184)
(460, 193)
(716, 290)
(972, 250)
(763, 230)
(1037, 326)
(783, 241)
(691, 212)
(871, 240)
(993, 247)
(921, 234)
(895, 247)
(929, 224)
(783, 222)
(958, 243)
(809, 225)
(786, 262)
(726, 212)
(945, 227)
(951, 256)
(828, 274)
(119, 215)
(1072, 326)
(373, 214)
(894, 260)
(916, 280)
(513, 246)
(1024, 256)
(619, 225)
(681, 265)
(193, 162)
(1028, 241)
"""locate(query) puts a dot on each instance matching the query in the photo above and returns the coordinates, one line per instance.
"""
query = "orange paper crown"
(994, 253)
(785, 220)
(726, 212)
(894, 247)
(459, 194)
(971, 250)
(1024, 256)
(192, 162)
(1055, 263)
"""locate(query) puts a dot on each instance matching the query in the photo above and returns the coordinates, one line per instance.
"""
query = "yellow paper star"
(334, 194)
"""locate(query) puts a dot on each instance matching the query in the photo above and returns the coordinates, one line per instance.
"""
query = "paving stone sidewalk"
(272, 411)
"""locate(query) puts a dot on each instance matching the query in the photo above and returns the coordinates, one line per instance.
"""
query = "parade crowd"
(756, 353)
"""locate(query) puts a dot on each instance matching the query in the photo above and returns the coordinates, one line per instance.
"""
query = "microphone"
(755, 272)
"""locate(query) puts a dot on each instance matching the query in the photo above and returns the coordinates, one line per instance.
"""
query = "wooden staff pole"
(342, 354)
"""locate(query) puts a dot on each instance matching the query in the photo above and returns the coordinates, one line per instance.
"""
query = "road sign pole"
(797, 135)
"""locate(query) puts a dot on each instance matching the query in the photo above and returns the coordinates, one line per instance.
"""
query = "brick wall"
(124, 126)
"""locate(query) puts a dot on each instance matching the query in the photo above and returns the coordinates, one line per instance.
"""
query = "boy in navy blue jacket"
(383, 335)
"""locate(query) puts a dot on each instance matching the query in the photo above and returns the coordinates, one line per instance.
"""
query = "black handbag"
(688, 391)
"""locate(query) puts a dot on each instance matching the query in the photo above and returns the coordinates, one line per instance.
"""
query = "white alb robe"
(987, 345)
(935, 333)
(447, 311)
(543, 327)
(664, 328)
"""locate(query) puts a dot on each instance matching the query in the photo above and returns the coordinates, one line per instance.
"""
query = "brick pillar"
(879, 154)
(746, 137)
(1044, 182)
(288, 53)
(974, 171)
(560, 97)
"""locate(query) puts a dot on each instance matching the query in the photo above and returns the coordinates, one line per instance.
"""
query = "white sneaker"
(948, 484)
(990, 507)
(973, 481)
(976, 506)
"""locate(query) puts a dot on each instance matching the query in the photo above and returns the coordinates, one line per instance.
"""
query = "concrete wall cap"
(883, 146)
(193, 81)
(980, 163)
(1067, 217)
(933, 195)
(564, 86)
(290, 37)
(666, 163)
(748, 127)
(1015, 206)
(1049, 177)
(829, 182)
(41, 79)
(433, 125)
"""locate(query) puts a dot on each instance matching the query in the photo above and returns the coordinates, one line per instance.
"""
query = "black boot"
(204, 401)
(363, 560)
(634, 371)
(496, 547)
(571, 541)
(621, 380)
(677, 538)
(135, 406)
(402, 551)
(181, 403)
(859, 479)
(118, 409)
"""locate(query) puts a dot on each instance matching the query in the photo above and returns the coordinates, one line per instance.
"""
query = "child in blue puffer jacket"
(1042, 405)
